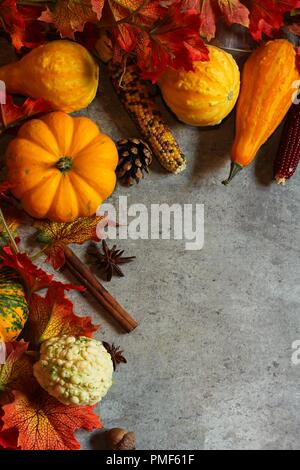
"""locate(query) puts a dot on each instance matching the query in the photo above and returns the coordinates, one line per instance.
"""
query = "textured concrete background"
(210, 365)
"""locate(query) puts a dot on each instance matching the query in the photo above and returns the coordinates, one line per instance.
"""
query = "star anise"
(110, 260)
(116, 354)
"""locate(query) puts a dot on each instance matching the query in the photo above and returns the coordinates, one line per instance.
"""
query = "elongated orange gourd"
(62, 72)
(266, 96)
(62, 167)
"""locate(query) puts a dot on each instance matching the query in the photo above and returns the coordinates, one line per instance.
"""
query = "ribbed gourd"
(13, 305)
(268, 86)
(205, 96)
(61, 72)
(61, 167)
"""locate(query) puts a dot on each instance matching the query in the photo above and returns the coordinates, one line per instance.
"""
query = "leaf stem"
(39, 253)
(8, 231)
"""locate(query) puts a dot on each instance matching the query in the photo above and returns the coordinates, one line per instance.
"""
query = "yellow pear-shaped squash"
(62, 72)
(62, 167)
(205, 96)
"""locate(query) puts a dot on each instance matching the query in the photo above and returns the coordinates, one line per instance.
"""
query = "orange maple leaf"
(34, 277)
(8, 438)
(56, 235)
(14, 218)
(70, 16)
(43, 423)
(12, 114)
(53, 316)
(16, 373)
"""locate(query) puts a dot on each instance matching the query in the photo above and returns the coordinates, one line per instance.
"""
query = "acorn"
(120, 439)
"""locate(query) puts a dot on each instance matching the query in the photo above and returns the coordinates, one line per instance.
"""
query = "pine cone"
(134, 158)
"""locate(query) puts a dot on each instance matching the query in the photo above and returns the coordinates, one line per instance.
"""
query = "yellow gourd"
(205, 96)
(62, 167)
(62, 72)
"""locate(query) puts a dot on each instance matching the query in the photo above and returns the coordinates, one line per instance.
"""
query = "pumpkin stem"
(64, 164)
(234, 170)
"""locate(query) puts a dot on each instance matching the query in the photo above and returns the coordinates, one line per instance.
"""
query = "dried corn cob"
(288, 155)
(135, 96)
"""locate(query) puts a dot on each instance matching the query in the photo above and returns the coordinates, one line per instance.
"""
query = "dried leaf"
(8, 438)
(294, 28)
(12, 21)
(13, 218)
(43, 423)
(267, 16)
(16, 373)
(97, 7)
(174, 41)
(233, 11)
(34, 278)
(57, 235)
(159, 36)
(69, 16)
(53, 316)
(5, 186)
(13, 114)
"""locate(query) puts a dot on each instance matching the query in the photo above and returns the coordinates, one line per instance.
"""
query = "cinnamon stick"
(88, 280)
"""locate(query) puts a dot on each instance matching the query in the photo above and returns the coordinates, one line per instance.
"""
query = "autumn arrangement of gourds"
(63, 167)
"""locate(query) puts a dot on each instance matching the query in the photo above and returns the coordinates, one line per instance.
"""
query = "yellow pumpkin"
(205, 96)
(62, 167)
(62, 72)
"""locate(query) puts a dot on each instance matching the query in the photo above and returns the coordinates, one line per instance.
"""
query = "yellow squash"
(62, 72)
(62, 167)
(205, 96)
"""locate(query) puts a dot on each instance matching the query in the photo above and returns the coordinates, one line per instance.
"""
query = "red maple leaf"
(232, 11)
(5, 186)
(159, 33)
(16, 372)
(13, 114)
(43, 423)
(8, 438)
(267, 16)
(21, 24)
(34, 278)
(69, 16)
(174, 41)
(52, 316)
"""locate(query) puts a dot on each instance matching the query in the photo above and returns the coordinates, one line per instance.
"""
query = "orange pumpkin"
(62, 167)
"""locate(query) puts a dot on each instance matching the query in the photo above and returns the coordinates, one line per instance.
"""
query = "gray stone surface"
(210, 365)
